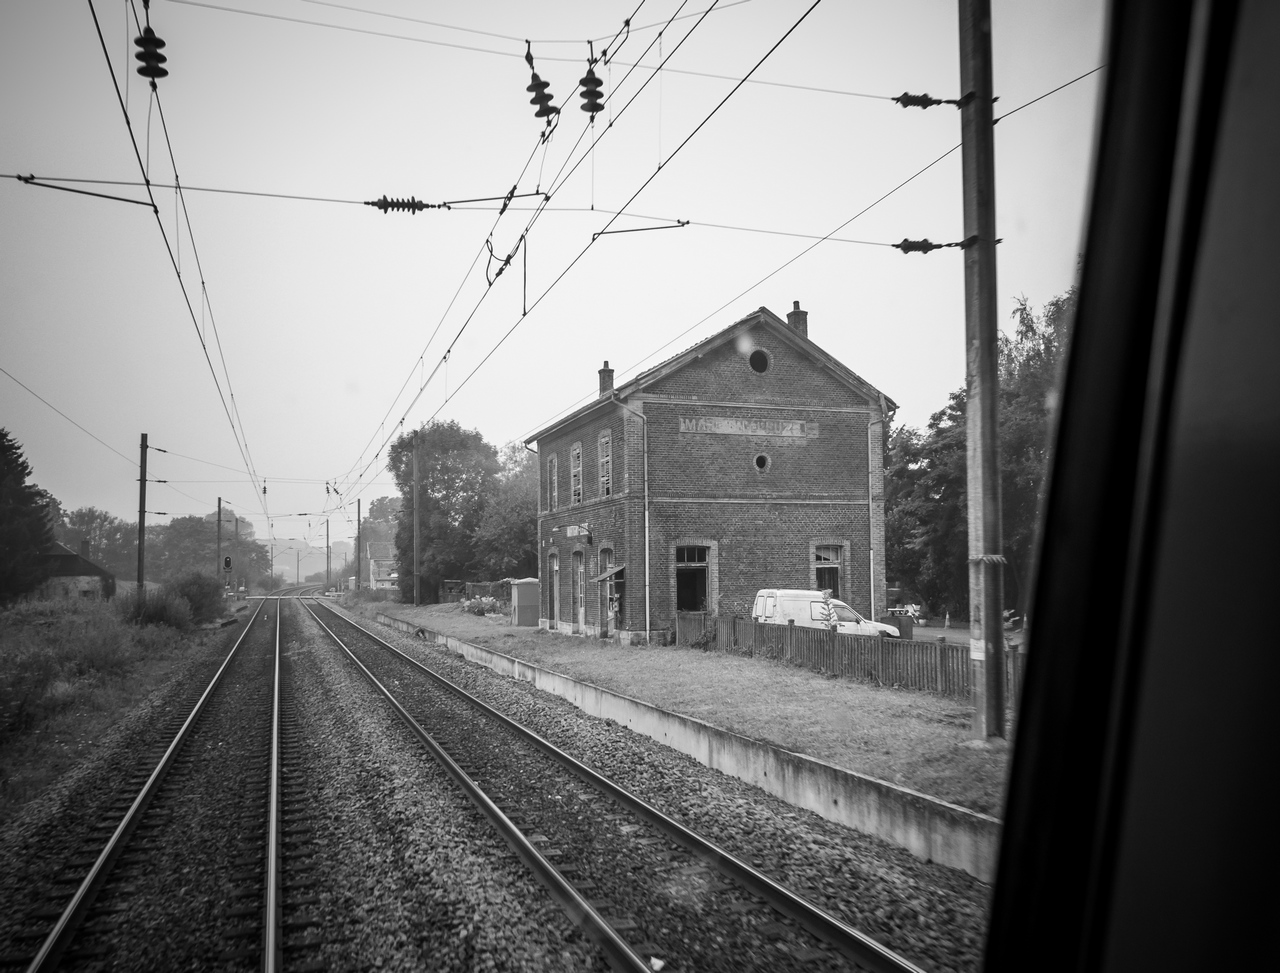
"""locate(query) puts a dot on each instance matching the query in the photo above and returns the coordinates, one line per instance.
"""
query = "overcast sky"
(321, 311)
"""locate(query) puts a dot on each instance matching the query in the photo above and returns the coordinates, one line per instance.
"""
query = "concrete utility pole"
(328, 555)
(357, 545)
(986, 542)
(142, 511)
(415, 520)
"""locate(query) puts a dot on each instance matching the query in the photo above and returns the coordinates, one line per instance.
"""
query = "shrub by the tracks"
(55, 656)
(350, 598)
(203, 593)
(481, 606)
(163, 607)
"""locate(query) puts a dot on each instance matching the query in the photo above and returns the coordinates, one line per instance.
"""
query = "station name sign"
(720, 425)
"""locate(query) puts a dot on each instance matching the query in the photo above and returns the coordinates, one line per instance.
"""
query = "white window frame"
(553, 488)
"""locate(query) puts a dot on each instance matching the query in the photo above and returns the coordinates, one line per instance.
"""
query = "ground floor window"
(691, 578)
(827, 559)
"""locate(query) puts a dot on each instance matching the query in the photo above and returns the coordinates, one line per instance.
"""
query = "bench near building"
(751, 460)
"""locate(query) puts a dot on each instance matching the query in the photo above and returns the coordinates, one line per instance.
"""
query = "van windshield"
(846, 614)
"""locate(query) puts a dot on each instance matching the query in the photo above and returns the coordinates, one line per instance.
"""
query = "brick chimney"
(606, 381)
(84, 549)
(798, 319)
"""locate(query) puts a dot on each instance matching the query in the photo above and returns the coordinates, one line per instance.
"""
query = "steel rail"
(850, 942)
(59, 937)
(271, 948)
(618, 953)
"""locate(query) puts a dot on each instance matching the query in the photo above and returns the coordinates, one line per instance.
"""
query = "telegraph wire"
(131, 462)
(464, 206)
(1047, 94)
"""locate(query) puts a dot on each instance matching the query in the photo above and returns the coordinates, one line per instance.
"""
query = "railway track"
(191, 868)
(650, 893)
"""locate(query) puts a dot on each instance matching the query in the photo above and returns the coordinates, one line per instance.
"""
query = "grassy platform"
(915, 739)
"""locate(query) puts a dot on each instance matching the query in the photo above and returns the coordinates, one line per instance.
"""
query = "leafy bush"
(56, 655)
(481, 606)
(163, 607)
(203, 593)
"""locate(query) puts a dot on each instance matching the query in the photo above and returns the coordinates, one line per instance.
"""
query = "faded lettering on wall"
(794, 428)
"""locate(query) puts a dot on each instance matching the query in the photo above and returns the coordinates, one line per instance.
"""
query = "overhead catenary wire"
(165, 236)
(557, 182)
(489, 33)
(510, 54)
(635, 366)
(642, 187)
(650, 179)
(521, 242)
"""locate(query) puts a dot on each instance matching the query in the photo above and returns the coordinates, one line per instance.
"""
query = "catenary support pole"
(142, 513)
(986, 546)
(217, 561)
(357, 545)
(328, 556)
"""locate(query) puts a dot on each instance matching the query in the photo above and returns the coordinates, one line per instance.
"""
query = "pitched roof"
(381, 551)
(66, 563)
(760, 317)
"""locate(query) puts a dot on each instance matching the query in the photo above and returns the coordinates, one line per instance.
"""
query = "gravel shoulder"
(933, 915)
(914, 739)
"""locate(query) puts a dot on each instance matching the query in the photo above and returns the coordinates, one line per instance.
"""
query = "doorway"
(578, 593)
(553, 599)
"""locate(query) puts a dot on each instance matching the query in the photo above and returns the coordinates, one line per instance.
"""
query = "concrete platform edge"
(927, 827)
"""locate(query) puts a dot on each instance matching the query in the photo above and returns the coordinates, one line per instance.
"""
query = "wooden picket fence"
(939, 667)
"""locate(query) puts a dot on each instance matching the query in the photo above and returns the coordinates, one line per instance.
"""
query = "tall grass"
(54, 656)
(163, 607)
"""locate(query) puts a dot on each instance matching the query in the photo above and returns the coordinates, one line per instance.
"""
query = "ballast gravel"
(932, 915)
(408, 873)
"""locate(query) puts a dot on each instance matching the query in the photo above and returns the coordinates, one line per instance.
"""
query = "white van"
(783, 606)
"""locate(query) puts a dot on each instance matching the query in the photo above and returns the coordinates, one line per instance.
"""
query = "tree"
(113, 542)
(926, 489)
(926, 526)
(456, 473)
(25, 531)
(507, 536)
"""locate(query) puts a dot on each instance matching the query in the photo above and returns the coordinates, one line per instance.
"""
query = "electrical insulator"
(264, 489)
(149, 54)
(592, 99)
(412, 204)
(541, 97)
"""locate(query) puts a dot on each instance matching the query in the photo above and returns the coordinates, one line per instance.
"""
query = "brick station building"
(751, 460)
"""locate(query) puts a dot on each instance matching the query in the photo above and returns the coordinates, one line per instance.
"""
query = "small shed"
(524, 601)
(73, 575)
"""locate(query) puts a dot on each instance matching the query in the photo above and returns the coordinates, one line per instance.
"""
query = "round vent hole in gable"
(762, 462)
(759, 361)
